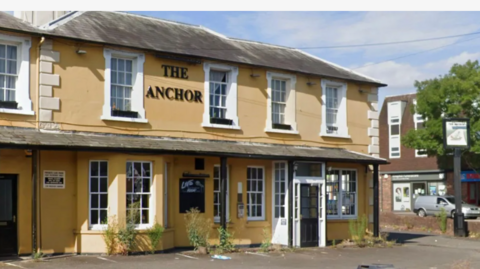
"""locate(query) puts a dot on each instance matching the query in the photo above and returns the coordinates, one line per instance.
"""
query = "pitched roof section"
(143, 32)
(11, 137)
(9, 22)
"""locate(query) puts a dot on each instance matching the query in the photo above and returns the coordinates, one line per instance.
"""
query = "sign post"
(456, 136)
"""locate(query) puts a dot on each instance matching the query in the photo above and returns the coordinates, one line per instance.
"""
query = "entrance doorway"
(8, 215)
(309, 199)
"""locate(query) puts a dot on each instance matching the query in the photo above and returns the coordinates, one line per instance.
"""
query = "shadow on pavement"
(9, 258)
(405, 238)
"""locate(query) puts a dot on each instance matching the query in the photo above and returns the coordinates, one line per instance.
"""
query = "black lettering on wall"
(184, 73)
(150, 92)
(178, 94)
(165, 70)
(167, 93)
(174, 72)
(188, 95)
(198, 96)
(160, 91)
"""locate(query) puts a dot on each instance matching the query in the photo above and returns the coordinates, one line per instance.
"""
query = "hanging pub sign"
(174, 93)
(54, 179)
(192, 194)
(456, 133)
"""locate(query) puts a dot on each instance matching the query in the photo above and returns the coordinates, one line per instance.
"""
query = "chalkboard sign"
(192, 194)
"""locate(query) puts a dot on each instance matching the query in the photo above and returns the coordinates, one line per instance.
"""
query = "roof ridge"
(155, 18)
(390, 96)
(260, 43)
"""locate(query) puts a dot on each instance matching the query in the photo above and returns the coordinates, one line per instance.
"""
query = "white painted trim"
(61, 21)
(342, 109)
(165, 195)
(111, 118)
(398, 105)
(232, 95)
(137, 89)
(152, 199)
(96, 226)
(340, 192)
(22, 87)
(415, 121)
(263, 217)
(217, 219)
(274, 193)
(291, 103)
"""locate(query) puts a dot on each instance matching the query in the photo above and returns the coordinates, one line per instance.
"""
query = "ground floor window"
(139, 181)
(255, 193)
(98, 192)
(341, 191)
(280, 176)
(216, 193)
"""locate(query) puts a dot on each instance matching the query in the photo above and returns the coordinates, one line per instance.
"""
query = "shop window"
(281, 117)
(98, 193)
(341, 191)
(220, 96)
(280, 176)
(334, 109)
(255, 193)
(123, 86)
(15, 75)
(216, 194)
(139, 181)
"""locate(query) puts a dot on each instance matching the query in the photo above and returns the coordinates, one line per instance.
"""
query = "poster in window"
(401, 199)
(192, 194)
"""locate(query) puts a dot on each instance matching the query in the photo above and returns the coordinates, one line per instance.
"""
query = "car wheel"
(421, 213)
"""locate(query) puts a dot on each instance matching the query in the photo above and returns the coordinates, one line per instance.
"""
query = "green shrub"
(358, 230)
(154, 235)
(198, 228)
(109, 235)
(442, 220)
(127, 234)
(225, 241)
(267, 240)
(38, 255)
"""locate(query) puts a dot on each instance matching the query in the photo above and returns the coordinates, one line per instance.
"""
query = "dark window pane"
(216, 172)
(104, 184)
(146, 185)
(259, 211)
(309, 169)
(259, 199)
(420, 125)
(144, 216)
(260, 173)
(137, 169)
(94, 184)
(277, 200)
(216, 185)
(94, 217)
(277, 187)
(94, 168)
(103, 168)
(103, 216)
(137, 184)
(129, 200)
(282, 212)
(103, 200)
(145, 201)
(129, 169)
(94, 201)
(146, 169)
(253, 198)
(394, 129)
(282, 187)
(248, 185)
(277, 212)
(129, 185)
(260, 186)
(305, 212)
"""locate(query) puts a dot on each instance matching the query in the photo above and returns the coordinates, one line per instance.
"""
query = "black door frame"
(14, 179)
(315, 244)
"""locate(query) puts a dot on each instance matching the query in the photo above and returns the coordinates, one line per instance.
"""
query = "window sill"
(335, 135)
(220, 126)
(17, 111)
(270, 130)
(110, 118)
(256, 223)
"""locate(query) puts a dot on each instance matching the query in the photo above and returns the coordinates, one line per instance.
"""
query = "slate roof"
(135, 31)
(28, 138)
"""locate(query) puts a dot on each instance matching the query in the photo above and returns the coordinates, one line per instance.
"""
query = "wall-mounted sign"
(175, 71)
(418, 177)
(54, 179)
(470, 176)
(456, 133)
(175, 94)
(192, 194)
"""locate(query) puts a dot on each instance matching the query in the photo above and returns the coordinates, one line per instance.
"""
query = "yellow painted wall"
(82, 97)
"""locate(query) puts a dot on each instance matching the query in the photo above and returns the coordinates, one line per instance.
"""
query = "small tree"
(456, 94)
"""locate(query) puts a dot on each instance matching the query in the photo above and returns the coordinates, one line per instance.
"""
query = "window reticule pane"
(98, 182)
(8, 72)
(139, 181)
(255, 192)
(121, 83)
(218, 94)
(279, 100)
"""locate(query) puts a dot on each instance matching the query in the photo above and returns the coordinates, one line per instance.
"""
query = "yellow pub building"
(100, 110)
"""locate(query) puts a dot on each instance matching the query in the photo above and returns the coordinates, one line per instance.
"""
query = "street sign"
(456, 133)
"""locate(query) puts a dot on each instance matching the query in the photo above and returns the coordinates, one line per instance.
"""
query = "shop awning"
(28, 138)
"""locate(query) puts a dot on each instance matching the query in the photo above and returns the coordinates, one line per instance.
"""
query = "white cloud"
(396, 75)
(458, 59)
(304, 29)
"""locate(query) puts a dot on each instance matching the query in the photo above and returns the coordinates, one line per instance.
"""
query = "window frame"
(415, 122)
(262, 217)
(290, 117)
(151, 200)
(216, 219)
(98, 226)
(231, 102)
(22, 84)
(342, 122)
(391, 137)
(274, 193)
(137, 96)
(340, 215)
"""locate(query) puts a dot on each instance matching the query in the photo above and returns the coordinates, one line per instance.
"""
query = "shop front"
(407, 187)
(472, 179)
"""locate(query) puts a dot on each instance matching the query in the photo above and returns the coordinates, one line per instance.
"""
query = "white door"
(280, 204)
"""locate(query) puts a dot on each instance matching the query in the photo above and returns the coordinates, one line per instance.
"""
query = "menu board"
(192, 194)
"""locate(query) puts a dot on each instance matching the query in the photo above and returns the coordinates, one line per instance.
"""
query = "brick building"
(410, 172)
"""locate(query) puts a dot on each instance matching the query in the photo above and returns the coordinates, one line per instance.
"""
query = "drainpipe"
(37, 122)
(376, 215)
(223, 192)
(290, 202)
(34, 201)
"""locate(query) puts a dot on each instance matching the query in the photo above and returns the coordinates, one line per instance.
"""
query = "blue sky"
(313, 29)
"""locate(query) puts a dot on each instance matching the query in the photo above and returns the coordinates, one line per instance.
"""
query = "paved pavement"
(417, 251)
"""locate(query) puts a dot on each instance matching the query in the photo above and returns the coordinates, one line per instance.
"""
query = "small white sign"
(456, 133)
(54, 179)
